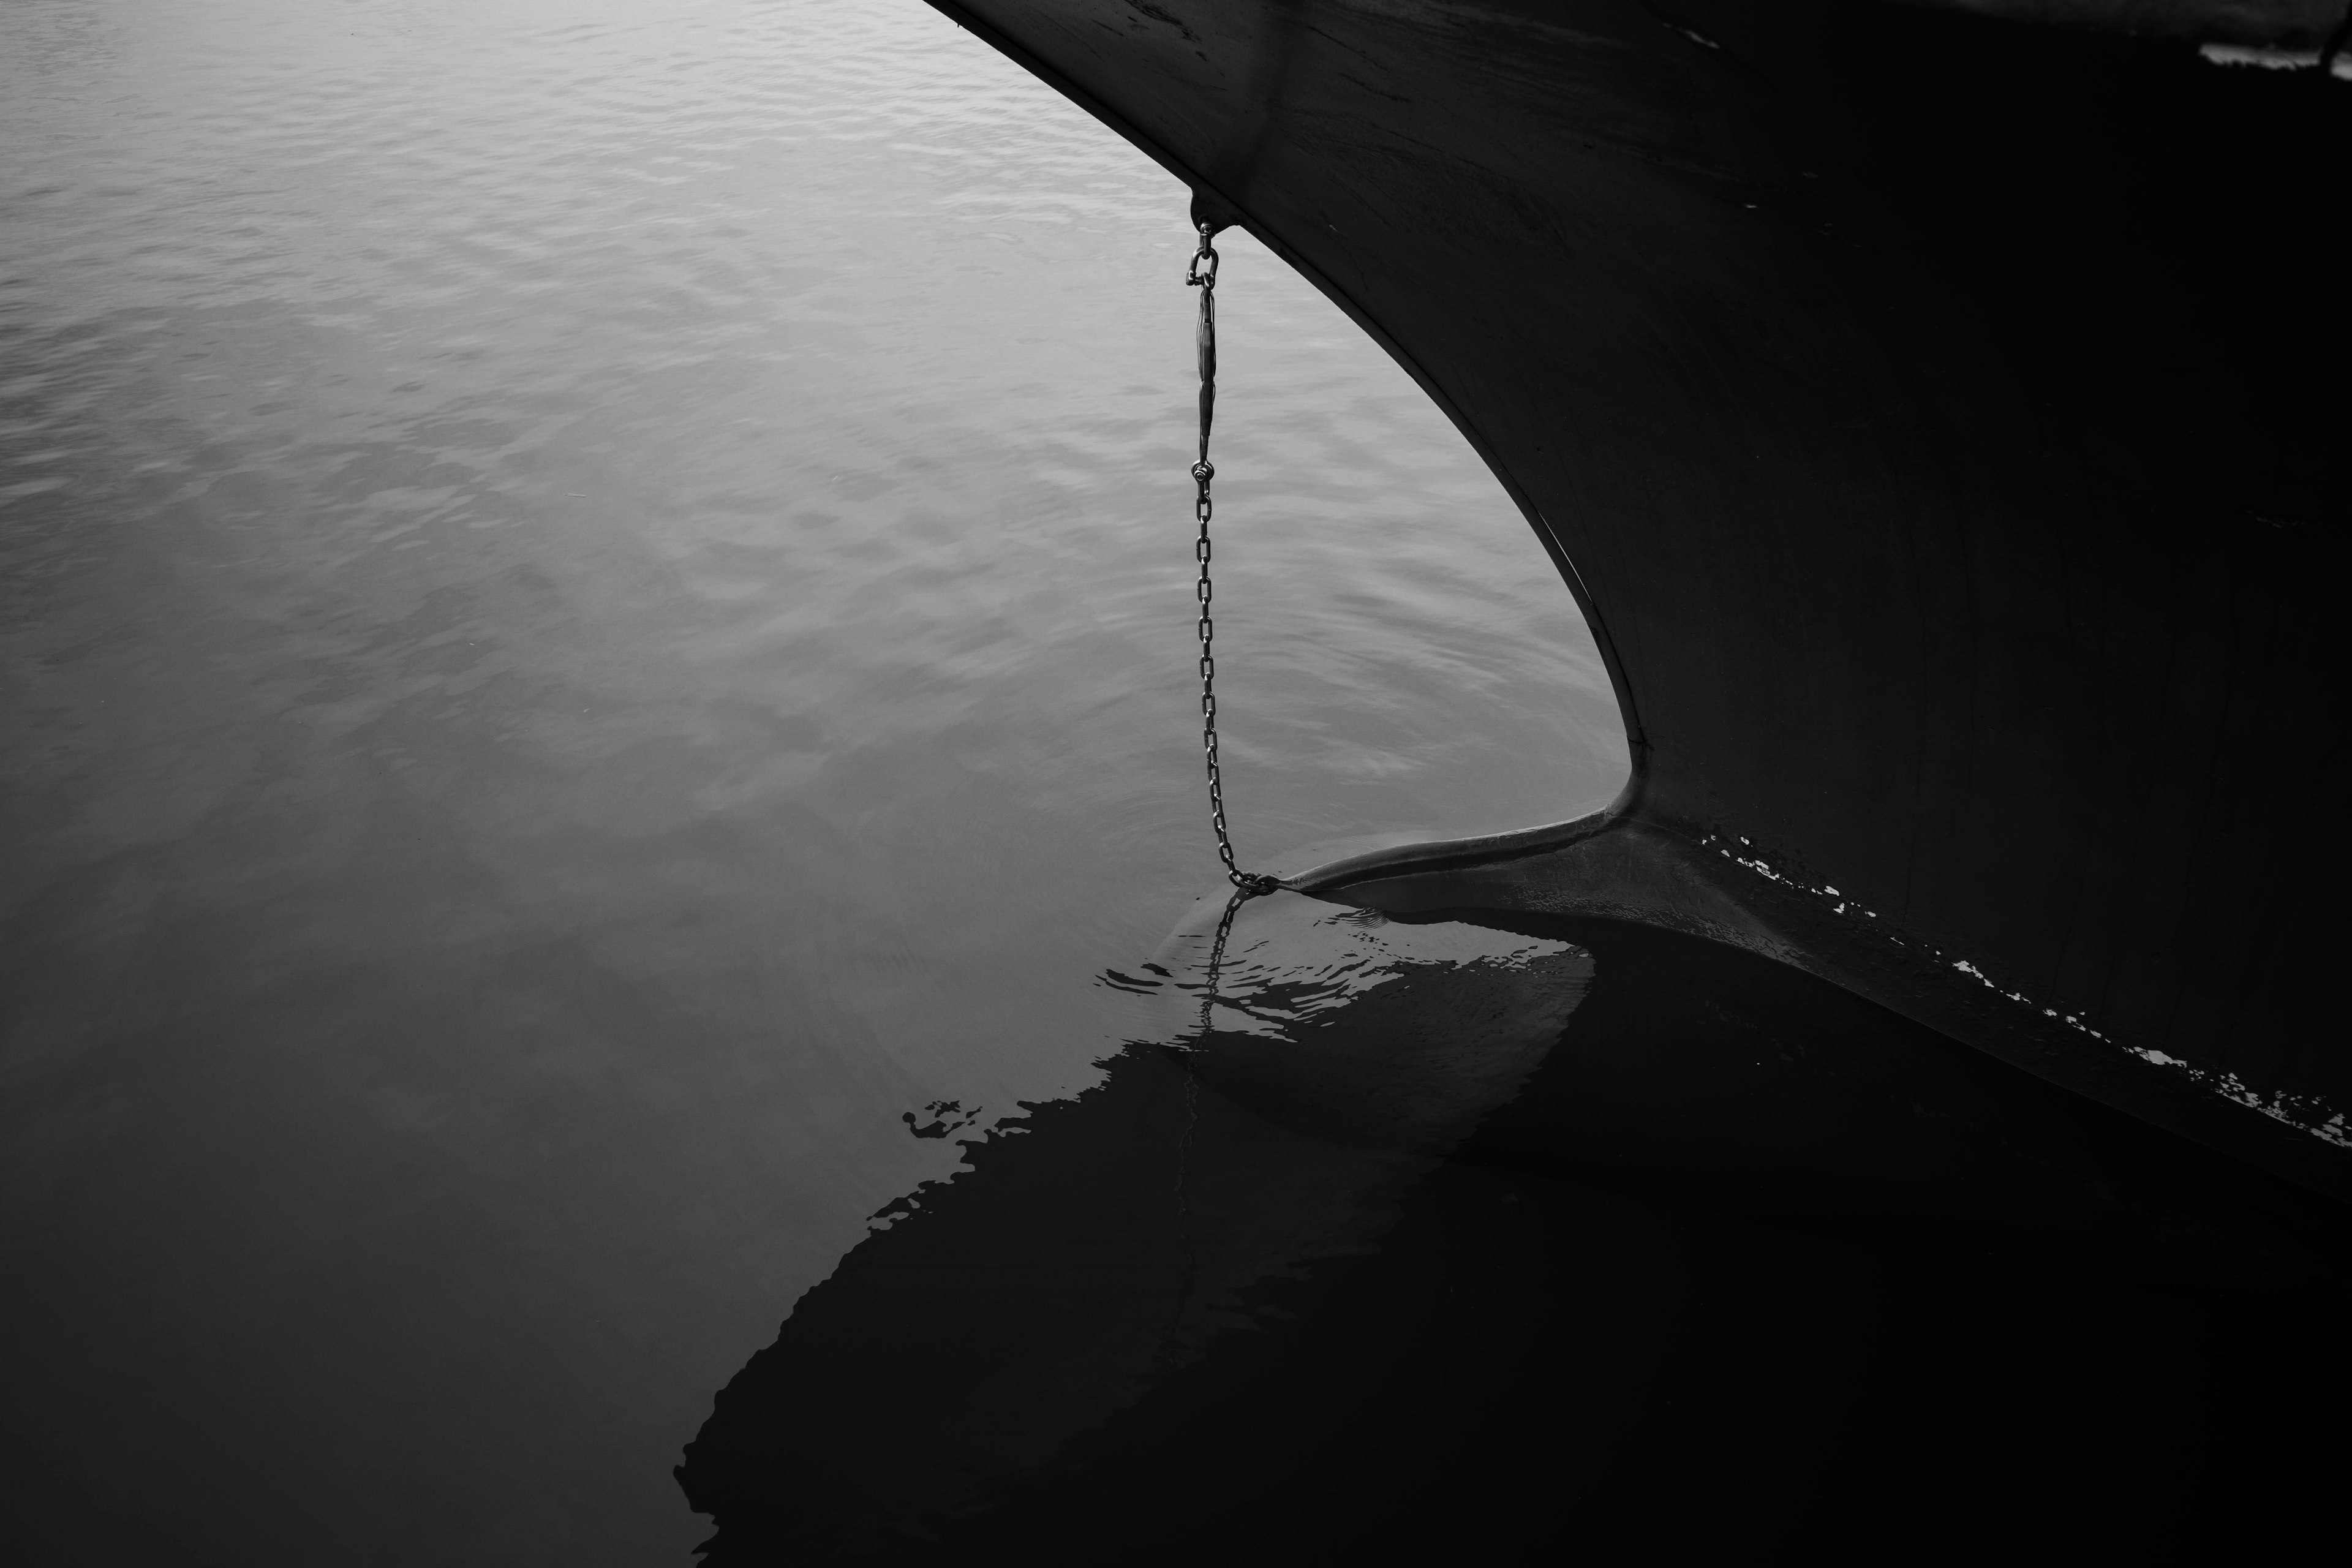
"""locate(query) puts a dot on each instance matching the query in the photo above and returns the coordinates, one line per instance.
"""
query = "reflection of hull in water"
(1894, 389)
(1690, 1066)
(1235, 1305)
(1938, 417)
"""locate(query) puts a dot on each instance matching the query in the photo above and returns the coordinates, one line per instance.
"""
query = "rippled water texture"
(596, 606)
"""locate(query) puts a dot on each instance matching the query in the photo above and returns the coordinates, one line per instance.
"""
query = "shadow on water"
(1447, 1237)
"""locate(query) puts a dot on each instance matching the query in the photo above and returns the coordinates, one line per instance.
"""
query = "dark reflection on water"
(1459, 1239)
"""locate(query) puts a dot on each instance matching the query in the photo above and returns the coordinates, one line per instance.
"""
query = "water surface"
(595, 603)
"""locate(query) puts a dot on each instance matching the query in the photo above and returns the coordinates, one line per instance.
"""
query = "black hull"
(1937, 419)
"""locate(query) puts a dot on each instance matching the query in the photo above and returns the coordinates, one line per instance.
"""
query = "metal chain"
(1204, 278)
(1242, 895)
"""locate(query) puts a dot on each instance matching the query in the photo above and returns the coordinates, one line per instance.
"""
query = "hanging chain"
(1202, 275)
(1242, 895)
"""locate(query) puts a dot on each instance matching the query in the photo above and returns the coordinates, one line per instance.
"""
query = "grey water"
(597, 608)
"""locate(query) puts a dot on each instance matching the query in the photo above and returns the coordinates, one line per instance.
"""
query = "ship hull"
(1933, 416)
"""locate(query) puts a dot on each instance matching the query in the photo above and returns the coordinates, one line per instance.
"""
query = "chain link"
(1202, 275)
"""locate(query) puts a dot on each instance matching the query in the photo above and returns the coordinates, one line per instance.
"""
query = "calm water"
(596, 606)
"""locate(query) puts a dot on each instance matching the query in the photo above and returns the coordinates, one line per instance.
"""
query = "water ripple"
(595, 600)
